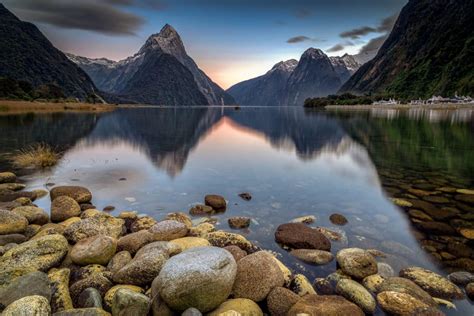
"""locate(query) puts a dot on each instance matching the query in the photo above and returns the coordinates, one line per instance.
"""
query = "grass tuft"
(35, 156)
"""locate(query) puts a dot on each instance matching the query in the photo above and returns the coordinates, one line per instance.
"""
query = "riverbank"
(76, 257)
(401, 107)
(19, 107)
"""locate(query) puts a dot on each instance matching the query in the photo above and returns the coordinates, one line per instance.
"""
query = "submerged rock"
(356, 262)
(338, 219)
(399, 304)
(245, 196)
(313, 256)
(300, 236)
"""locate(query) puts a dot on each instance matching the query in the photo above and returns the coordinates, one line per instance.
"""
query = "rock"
(119, 260)
(242, 306)
(200, 209)
(34, 283)
(89, 298)
(402, 285)
(385, 270)
(33, 214)
(470, 290)
(308, 219)
(9, 196)
(433, 283)
(64, 207)
(201, 230)
(338, 219)
(7, 177)
(332, 234)
(83, 312)
(356, 262)
(257, 275)
(158, 306)
(96, 280)
(394, 247)
(141, 223)
(49, 229)
(134, 241)
(39, 254)
(460, 249)
(97, 249)
(401, 202)
(419, 215)
(109, 296)
(236, 252)
(80, 194)
(61, 299)
(144, 267)
(69, 221)
(12, 238)
(466, 198)
(245, 196)
(301, 285)
(190, 242)
(323, 287)
(97, 225)
(461, 278)
(12, 186)
(373, 282)
(12, 223)
(357, 294)
(222, 239)
(28, 305)
(280, 300)
(80, 273)
(287, 274)
(90, 213)
(217, 202)
(327, 305)
(168, 230)
(191, 312)
(399, 304)
(313, 256)
(199, 277)
(300, 236)
(128, 302)
(239, 222)
(180, 217)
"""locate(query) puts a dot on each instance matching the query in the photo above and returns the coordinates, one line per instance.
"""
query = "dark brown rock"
(245, 196)
(280, 300)
(236, 252)
(470, 290)
(436, 228)
(239, 222)
(80, 194)
(217, 202)
(64, 207)
(338, 219)
(300, 236)
(327, 305)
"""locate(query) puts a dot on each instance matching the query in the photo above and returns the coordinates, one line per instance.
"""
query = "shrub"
(35, 156)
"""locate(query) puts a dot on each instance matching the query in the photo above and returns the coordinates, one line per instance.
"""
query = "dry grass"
(35, 156)
(8, 107)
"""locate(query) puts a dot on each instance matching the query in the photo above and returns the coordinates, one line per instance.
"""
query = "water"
(293, 161)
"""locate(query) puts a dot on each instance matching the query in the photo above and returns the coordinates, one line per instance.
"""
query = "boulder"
(28, 305)
(223, 239)
(34, 283)
(199, 277)
(190, 242)
(357, 294)
(327, 305)
(64, 207)
(401, 304)
(356, 262)
(134, 241)
(97, 249)
(236, 252)
(12, 238)
(128, 302)
(242, 306)
(300, 236)
(217, 202)
(33, 214)
(168, 230)
(101, 224)
(257, 275)
(314, 256)
(119, 260)
(80, 194)
(433, 283)
(12, 223)
(280, 300)
(61, 299)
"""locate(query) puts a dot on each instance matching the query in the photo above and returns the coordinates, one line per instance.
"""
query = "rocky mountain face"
(27, 55)
(291, 82)
(429, 52)
(133, 78)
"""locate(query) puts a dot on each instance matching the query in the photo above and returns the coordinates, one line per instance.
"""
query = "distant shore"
(20, 107)
(401, 106)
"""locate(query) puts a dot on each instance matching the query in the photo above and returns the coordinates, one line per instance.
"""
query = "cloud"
(358, 32)
(386, 25)
(336, 48)
(302, 38)
(102, 16)
(303, 13)
(373, 45)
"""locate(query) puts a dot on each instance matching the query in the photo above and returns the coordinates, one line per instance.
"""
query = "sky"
(230, 40)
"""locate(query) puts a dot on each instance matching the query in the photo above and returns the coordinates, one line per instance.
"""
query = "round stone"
(64, 207)
(470, 290)
(280, 300)
(168, 230)
(199, 209)
(126, 302)
(217, 202)
(89, 298)
(239, 222)
(357, 294)
(100, 224)
(141, 223)
(242, 306)
(109, 296)
(300, 236)
(356, 262)
(461, 278)
(12, 223)
(396, 303)
(338, 219)
(34, 283)
(327, 305)
(134, 241)
(80, 194)
(33, 214)
(199, 277)
(28, 305)
(236, 252)
(190, 242)
(313, 256)
(97, 249)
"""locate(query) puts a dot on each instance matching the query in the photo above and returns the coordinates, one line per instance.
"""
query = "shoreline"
(401, 107)
(8, 107)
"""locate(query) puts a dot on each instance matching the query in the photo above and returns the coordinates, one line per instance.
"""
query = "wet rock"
(217, 202)
(87, 206)
(373, 282)
(396, 248)
(245, 196)
(338, 219)
(39, 254)
(141, 223)
(401, 202)
(34, 283)
(239, 222)
(134, 241)
(236, 252)
(459, 249)
(12, 186)
(438, 214)
(80, 194)
(33, 214)
(9, 196)
(461, 278)
(433, 283)
(257, 275)
(61, 299)
(168, 230)
(89, 298)
(402, 285)
(102, 224)
(280, 300)
(327, 305)
(109, 296)
(191, 312)
(308, 219)
(313, 256)
(119, 260)
(357, 294)
(7, 177)
(419, 215)
(128, 302)
(396, 303)
(96, 280)
(287, 274)
(12, 238)
(201, 230)
(49, 229)
(97, 249)
(242, 306)
(300, 236)
(12, 223)
(385, 270)
(436, 199)
(180, 217)
(356, 262)
(301, 285)
(28, 305)
(222, 239)
(190, 242)
(323, 287)
(437, 228)
(83, 312)
(470, 290)
(200, 278)
(333, 234)
(201, 210)
(64, 207)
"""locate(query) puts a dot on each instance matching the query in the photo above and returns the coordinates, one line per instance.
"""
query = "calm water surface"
(293, 162)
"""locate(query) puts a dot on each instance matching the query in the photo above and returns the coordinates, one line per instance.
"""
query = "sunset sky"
(230, 40)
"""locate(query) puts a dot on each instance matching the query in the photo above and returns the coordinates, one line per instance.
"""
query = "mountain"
(345, 66)
(133, 77)
(27, 55)
(429, 52)
(267, 89)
